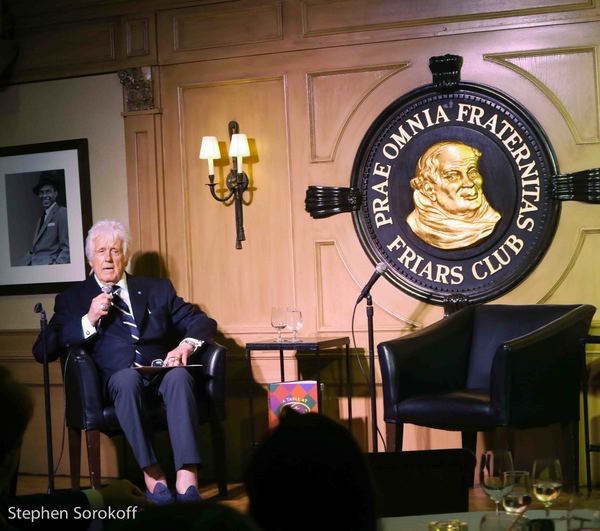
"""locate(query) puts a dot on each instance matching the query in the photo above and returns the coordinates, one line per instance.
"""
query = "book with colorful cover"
(299, 395)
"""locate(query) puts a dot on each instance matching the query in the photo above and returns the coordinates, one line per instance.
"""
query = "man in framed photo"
(50, 243)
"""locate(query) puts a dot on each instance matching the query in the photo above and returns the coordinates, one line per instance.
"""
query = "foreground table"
(421, 522)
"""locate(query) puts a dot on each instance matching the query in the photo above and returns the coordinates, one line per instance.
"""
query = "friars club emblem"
(456, 188)
(456, 193)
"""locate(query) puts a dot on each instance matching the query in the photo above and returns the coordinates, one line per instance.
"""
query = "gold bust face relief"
(451, 210)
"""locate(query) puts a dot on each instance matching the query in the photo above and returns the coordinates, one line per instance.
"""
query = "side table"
(310, 344)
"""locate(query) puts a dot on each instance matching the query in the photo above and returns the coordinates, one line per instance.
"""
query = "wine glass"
(492, 466)
(278, 320)
(294, 321)
(547, 481)
(518, 499)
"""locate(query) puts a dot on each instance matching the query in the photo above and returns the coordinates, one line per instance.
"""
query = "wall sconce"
(237, 180)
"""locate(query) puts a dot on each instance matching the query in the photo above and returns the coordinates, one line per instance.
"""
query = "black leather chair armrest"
(212, 356)
(431, 360)
(543, 369)
(83, 390)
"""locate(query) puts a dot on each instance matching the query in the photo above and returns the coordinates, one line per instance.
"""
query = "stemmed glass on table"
(294, 321)
(492, 467)
(547, 481)
(278, 320)
(518, 499)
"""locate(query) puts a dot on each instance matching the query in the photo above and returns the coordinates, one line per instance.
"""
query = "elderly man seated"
(127, 321)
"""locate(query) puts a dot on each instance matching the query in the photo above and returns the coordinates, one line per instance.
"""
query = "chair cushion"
(470, 409)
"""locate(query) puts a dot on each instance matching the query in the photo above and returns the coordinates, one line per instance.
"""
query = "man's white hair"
(110, 228)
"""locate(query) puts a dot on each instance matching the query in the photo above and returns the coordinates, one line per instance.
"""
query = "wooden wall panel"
(202, 27)
(321, 17)
(185, 34)
(333, 97)
(260, 275)
(79, 47)
(145, 182)
(334, 303)
(569, 78)
(194, 30)
(63, 44)
(578, 280)
(137, 37)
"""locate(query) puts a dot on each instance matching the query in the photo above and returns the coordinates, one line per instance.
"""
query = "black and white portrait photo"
(45, 209)
(38, 226)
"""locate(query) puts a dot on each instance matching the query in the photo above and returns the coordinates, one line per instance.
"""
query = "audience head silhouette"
(203, 516)
(309, 473)
(16, 409)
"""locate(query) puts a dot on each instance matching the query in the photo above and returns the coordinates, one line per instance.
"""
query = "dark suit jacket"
(162, 317)
(51, 242)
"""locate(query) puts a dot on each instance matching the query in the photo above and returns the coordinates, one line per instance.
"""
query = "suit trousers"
(129, 391)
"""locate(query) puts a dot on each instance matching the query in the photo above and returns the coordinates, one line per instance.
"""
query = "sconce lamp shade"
(239, 146)
(210, 148)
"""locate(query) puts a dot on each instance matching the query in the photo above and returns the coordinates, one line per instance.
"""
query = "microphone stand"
(372, 389)
(43, 326)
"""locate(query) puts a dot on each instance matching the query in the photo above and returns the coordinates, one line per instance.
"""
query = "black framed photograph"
(45, 213)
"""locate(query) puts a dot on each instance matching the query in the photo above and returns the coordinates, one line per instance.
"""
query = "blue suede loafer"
(191, 495)
(161, 495)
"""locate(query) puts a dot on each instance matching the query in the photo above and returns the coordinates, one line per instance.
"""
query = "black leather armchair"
(87, 410)
(489, 366)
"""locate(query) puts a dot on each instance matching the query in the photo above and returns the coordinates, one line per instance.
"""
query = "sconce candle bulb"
(239, 148)
(237, 180)
(209, 150)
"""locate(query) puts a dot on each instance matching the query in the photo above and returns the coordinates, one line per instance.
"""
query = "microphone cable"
(362, 368)
(64, 426)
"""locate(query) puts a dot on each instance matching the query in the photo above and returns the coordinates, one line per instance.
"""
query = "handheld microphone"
(380, 269)
(106, 288)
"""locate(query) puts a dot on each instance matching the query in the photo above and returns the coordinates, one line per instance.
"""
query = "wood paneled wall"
(305, 79)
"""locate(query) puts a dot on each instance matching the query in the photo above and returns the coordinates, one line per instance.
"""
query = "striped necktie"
(128, 320)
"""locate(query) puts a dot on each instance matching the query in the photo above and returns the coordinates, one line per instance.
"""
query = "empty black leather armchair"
(489, 366)
(87, 409)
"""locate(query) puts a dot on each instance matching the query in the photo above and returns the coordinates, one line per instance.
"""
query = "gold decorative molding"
(584, 232)
(363, 81)
(586, 76)
(327, 17)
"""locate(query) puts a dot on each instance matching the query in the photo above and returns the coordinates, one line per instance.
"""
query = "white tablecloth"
(420, 522)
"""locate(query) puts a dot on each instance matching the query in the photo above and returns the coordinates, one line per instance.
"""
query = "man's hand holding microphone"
(100, 305)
